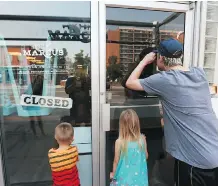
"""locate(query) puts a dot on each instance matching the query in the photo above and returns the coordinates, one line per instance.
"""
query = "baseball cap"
(170, 48)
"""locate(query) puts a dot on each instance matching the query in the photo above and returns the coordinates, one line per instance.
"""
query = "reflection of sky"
(26, 29)
(122, 14)
(46, 8)
(177, 24)
(40, 30)
(147, 16)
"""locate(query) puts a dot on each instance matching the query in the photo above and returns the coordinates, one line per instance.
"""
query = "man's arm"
(126, 77)
(133, 82)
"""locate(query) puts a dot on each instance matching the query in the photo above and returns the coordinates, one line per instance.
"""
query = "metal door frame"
(98, 70)
(95, 78)
(95, 102)
(148, 5)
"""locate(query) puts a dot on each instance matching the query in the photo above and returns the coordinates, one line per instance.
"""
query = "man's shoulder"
(157, 78)
(160, 75)
(170, 73)
(199, 70)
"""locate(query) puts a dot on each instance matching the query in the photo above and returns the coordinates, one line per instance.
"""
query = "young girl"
(130, 165)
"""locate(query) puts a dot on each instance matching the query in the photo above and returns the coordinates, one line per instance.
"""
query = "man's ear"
(160, 63)
(163, 58)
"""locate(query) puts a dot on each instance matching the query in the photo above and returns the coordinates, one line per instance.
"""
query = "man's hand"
(149, 58)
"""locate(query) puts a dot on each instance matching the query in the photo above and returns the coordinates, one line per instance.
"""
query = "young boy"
(63, 159)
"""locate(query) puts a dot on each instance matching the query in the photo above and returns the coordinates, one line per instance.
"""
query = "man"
(78, 90)
(70, 89)
(191, 126)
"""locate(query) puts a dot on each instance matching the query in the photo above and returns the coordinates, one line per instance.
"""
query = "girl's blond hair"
(129, 129)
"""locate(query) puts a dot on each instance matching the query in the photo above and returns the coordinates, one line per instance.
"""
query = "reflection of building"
(16, 63)
(127, 53)
(111, 48)
(15, 52)
(166, 34)
(35, 63)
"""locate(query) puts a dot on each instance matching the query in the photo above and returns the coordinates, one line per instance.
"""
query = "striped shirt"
(63, 166)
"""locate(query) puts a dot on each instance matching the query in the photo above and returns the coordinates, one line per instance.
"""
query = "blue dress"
(132, 167)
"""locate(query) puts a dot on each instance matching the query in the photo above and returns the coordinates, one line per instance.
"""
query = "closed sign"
(46, 101)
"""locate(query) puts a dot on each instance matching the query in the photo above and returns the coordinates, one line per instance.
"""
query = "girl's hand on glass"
(143, 136)
(111, 175)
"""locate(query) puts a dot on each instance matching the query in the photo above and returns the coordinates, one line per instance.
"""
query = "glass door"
(127, 32)
(49, 44)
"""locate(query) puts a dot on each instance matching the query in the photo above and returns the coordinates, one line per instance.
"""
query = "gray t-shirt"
(191, 126)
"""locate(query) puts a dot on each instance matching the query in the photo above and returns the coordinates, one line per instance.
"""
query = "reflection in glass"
(39, 59)
(137, 33)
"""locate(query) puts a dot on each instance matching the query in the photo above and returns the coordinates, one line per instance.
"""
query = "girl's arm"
(145, 143)
(116, 155)
(162, 123)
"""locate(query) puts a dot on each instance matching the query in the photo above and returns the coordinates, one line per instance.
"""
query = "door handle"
(105, 117)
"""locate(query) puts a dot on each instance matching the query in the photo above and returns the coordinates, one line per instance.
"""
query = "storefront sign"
(46, 50)
(46, 53)
(46, 101)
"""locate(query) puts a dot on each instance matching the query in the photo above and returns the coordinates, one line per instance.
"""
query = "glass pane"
(135, 31)
(209, 74)
(209, 60)
(175, 28)
(210, 45)
(45, 80)
(213, 2)
(211, 29)
(212, 12)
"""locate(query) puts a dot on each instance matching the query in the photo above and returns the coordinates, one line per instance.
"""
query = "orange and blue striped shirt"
(63, 166)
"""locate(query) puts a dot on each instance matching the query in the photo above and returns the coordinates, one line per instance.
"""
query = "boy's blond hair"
(64, 132)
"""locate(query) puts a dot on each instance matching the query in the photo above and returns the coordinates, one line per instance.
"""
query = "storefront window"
(45, 79)
(131, 34)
